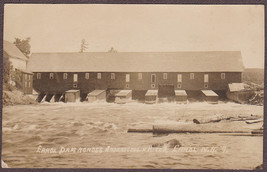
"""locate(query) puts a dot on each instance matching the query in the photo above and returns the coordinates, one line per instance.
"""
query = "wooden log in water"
(249, 117)
(193, 128)
(204, 121)
(254, 121)
(220, 118)
(257, 131)
(140, 130)
(240, 134)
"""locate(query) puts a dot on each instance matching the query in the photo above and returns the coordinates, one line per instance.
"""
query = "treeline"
(254, 75)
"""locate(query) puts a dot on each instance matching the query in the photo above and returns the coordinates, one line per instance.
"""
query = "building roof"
(123, 93)
(212, 61)
(209, 93)
(13, 51)
(151, 93)
(180, 93)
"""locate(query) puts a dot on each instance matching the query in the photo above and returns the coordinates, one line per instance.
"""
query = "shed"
(123, 96)
(151, 96)
(236, 87)
(96, 95)
(180, 96)
(72, 96)
(238, 93)
(210, 96)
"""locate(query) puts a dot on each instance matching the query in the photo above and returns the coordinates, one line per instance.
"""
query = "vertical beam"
(48, 97)
(57, 97)
(40, 98)
(62, 98)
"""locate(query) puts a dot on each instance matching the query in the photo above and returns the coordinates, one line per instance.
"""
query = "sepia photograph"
(133, 86)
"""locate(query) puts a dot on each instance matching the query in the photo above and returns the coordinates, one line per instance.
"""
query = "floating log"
(244, 118)
(240, 134)
(250, 117)
(258, 131)
(198, 121)
(192, 129)
(212, 120)
(140, 130)
(254, 121)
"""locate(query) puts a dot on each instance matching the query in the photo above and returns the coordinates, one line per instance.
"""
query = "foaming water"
(104, 125)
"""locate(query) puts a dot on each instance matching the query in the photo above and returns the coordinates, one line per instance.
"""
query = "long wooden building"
(56, 73)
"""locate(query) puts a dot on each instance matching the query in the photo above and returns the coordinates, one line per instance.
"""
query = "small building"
(72, 96)
(180, 96)
(151, 96)
(123, 96)
(237, 93)
(96, 95)
(56, 73)
(24, 78)
(210, 96)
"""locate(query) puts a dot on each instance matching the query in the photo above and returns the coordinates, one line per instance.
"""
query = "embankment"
(16, 97)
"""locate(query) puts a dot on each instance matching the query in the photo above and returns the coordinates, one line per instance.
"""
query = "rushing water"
(57, 126)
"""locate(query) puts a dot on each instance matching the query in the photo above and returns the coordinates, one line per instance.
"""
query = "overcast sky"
(135, 28)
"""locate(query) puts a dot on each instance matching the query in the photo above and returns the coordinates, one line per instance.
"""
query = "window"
(51, 76)
(222, 75)
(153, 85)
(98, 75)
(25, 84)
(164, 75)
(127, 78)
(179, 78)
(127, 86)
(206, 78)
(86, 75)
(25, 76)
(29, 84)
(65, 75)
(38, 75)
(153, 78)
(192, 76)
(112, 76)
(179, 85)
(29, 77)
(140, 76)
(74, 85)
(206, 85)
(75, 77)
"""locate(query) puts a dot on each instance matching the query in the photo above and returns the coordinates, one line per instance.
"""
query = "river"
(94, 135)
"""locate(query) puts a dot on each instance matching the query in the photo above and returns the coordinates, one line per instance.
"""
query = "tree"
(6, 70)
(23, 45)
(112, 50)
(11, 78)
(83, 46)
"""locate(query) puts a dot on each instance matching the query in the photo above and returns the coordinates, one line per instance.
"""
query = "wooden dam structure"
(146, 76)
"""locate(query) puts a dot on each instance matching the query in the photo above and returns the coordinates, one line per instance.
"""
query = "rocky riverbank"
(16, 97)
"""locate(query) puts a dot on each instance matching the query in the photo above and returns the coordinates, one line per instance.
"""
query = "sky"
(139, 28)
